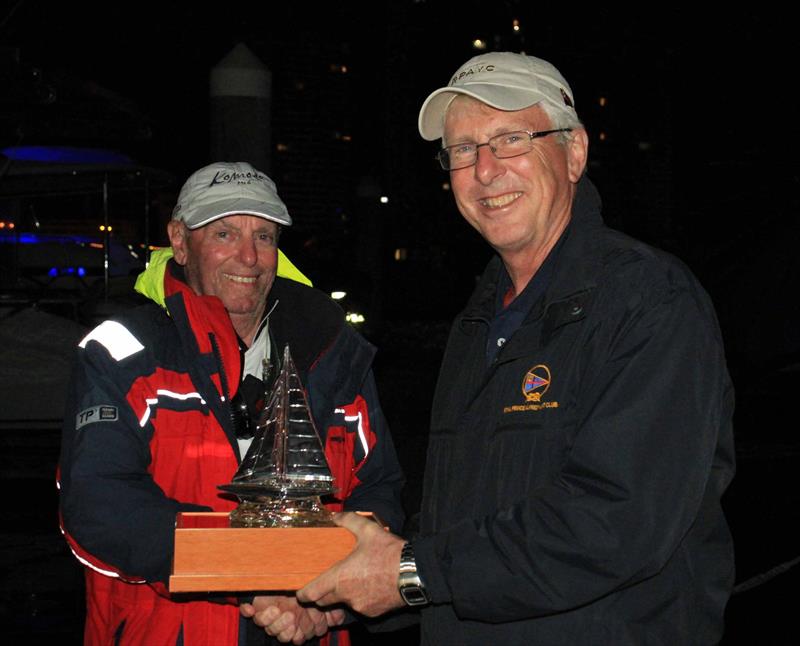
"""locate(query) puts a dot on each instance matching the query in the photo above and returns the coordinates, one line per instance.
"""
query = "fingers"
(283, 618)
(335, 617)
(281, 625)
(314, 622)
(320, 591)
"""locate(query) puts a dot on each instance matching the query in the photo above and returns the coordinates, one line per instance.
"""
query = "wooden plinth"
(212, 556)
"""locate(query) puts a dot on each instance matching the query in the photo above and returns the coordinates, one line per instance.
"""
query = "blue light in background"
(38, 238)
(65, 155)
(53, 272)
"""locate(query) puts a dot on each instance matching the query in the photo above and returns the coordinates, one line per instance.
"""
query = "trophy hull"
(285, 504)
(281, 512)
(274, 489)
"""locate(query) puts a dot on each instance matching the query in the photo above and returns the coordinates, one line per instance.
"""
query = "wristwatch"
(410, 585)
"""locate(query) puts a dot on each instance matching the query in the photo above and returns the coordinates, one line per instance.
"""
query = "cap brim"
(206, 214)
(502, 97)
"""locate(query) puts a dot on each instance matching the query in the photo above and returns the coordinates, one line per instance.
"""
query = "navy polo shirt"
(508, 319)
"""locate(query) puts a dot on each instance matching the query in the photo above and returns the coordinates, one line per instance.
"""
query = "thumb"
(355, 523)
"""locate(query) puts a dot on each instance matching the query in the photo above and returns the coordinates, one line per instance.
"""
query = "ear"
(577, 154)
(178, 239)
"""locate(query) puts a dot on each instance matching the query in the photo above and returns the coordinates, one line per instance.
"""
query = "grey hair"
(561, 119)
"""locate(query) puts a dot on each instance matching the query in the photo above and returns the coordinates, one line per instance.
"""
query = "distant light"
(354, 317)
(337, 296)
(52, 272)
(401, 254)
(106, 228)
(478, 44)
(384, 199)
(644, 146)
(602, 101)
(445, 186)
(602, 136)
(81, 271)
(66, 155)
(281, 148)
(96, 245)
(515, 25)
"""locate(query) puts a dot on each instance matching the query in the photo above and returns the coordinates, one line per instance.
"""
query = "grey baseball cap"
(502, 80)
(228, 188)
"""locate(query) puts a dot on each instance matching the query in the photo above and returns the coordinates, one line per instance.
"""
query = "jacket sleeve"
(379, 478)
(114, 516)
(649, 408)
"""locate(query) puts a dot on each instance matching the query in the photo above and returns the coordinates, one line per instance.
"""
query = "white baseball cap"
(228, 188)
(502, 80)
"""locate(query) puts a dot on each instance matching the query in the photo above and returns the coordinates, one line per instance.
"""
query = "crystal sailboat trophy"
(284, 473)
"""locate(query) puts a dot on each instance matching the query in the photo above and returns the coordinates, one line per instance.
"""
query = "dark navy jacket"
(572, 489)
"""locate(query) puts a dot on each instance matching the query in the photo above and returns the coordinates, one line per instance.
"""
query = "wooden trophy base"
(212, 556)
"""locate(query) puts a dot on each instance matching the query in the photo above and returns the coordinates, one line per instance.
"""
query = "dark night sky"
(706, 90)
(158, 54)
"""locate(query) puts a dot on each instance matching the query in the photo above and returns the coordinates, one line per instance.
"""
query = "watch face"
(414, 595)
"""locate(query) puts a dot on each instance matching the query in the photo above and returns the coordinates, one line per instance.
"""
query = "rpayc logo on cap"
(470, 71)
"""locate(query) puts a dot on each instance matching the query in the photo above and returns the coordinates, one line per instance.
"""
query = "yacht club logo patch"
(535, 384)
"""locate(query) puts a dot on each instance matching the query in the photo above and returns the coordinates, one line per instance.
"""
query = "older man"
(581, 430)
(162, 407)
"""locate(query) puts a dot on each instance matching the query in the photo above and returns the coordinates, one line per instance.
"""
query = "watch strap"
(408, 582)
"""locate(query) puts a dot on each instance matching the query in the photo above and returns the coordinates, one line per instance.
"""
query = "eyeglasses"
(503, 146)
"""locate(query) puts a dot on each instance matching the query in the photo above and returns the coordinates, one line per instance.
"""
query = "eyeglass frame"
(531, 134)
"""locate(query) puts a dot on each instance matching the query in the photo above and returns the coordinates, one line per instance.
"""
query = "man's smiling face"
(517, 204)
(233, 258)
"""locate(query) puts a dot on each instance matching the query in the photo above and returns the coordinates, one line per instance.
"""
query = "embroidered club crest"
(536, 383)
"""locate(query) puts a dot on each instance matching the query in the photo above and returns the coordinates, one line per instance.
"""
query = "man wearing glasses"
(581, 431)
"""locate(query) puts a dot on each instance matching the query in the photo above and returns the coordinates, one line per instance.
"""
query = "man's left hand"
(285, 619)
(367, 579)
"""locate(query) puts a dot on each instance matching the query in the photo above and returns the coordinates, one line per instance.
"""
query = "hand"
(367, 579)
(285, 619)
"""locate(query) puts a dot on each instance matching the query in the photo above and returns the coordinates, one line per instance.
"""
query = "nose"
(487, 166)
(247, 252)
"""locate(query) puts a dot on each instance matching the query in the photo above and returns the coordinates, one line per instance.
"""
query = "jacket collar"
(208, 329)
